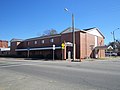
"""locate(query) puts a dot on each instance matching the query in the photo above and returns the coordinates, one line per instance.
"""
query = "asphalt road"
(59, 75)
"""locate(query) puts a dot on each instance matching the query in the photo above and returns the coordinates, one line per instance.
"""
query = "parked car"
(110, 54)
(114, 54)
(118, 53)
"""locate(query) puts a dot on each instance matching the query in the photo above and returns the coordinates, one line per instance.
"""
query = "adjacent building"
(3, 44)
(88, 44)
(4, 50)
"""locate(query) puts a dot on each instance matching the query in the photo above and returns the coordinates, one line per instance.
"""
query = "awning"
(4, 49)
(33, 49)
(101, 47)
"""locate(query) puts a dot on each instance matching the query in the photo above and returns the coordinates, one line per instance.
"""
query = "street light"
(113, 33)
(73, 33)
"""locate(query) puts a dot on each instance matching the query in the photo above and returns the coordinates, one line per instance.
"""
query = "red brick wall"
(3, 44)
(46, 43)
(0, 43)
(67, 37)
(77, 42)
(13, 46)
(101, 43)
(84, 44)
(90, 39)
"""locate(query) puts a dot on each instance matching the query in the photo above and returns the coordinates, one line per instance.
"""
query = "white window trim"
(51, 40)
(43, 41)
(35, 42)
(96, 41)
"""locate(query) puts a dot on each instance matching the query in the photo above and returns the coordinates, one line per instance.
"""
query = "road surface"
(18, 74)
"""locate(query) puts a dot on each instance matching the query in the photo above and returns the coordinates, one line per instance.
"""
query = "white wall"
(94, 32)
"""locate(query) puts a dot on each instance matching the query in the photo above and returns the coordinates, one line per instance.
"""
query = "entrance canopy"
(35, 49)
(102, 47)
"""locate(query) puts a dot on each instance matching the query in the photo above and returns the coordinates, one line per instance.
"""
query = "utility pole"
(73, 33)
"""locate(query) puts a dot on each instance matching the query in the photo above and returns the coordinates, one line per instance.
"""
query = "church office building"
(88, 44)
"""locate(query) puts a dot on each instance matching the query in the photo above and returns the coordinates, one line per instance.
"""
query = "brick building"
(4, 50)
(3, 44)
(88, 43)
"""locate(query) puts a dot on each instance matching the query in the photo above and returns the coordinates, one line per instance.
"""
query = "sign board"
(53, 47)
(69, 44)
(63, 46)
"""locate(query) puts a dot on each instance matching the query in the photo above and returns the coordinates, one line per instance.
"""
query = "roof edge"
(96, 29)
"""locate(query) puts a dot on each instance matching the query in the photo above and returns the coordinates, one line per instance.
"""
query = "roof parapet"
(16, 40)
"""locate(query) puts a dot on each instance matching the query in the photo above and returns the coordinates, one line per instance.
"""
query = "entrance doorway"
(69, 52)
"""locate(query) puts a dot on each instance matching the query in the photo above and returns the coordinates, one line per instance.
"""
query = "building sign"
(53, 47)
(69, 44)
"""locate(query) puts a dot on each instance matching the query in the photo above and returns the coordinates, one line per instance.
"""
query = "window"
(35, 42)
(28, 43)
(96, 41)
(43, 41)
(52, 40)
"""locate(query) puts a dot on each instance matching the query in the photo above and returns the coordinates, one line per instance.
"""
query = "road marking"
(10, 65)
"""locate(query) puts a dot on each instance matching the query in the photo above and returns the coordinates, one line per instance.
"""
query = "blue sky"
(29, 18)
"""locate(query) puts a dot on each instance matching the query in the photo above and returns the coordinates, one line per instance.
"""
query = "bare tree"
(50, 32)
